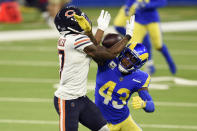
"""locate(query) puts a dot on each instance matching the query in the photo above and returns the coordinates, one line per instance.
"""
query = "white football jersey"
(74, 66)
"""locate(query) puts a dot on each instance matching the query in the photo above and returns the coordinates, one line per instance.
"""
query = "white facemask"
(122, 69)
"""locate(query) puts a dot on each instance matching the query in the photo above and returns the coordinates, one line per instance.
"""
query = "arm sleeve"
(80, 42)
(150, 107)
(156, 4)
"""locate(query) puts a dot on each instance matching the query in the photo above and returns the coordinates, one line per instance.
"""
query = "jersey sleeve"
(146, 81)
(81, 41)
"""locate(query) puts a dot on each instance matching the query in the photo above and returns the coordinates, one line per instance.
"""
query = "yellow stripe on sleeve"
(147, 82)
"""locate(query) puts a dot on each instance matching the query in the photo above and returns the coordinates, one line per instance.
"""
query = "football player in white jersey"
(76, 47)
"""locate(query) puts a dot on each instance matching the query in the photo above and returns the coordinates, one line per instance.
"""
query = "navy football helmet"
(133, 57)
(65, 21)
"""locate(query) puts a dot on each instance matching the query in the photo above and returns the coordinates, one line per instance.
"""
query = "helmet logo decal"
(70, 13)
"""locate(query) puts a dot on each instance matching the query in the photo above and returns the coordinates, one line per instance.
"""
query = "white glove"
(130, 26)
(103, 20)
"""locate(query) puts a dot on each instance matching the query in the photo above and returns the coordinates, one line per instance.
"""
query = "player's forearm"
(98, 36)
(92, 38)
(101, 54)
(150, 107)
(118, 47)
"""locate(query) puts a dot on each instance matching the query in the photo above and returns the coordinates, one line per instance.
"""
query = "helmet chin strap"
(64, 32)
(73, 30)
(122, 69)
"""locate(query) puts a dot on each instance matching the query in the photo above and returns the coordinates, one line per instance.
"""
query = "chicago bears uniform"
(73, 60)
(70, 100)
(72, 90)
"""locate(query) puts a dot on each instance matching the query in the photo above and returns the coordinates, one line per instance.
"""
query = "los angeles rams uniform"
(147, 21)
(113, 91)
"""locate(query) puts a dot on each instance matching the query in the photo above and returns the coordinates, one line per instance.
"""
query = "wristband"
(128, 37)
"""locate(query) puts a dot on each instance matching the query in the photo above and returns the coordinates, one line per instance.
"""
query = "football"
(110, 39)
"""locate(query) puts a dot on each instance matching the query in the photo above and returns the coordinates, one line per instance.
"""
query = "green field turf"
(29, 70)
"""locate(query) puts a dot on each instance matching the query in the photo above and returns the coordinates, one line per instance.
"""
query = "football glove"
(130, 26)
(84, 24)
(138, 103)
(103, 20)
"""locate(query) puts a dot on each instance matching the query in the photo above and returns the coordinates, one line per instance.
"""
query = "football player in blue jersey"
(147, 23)
(116, 81)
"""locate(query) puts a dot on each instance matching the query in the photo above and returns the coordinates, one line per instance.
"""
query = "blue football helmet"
(65, 21)
(133, 57)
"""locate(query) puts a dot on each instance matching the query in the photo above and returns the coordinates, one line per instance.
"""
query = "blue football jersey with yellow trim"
(148, 13)
(114, 89)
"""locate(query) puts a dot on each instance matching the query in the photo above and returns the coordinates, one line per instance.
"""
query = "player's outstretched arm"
(101, 54)
(118, 47)
(103, 23)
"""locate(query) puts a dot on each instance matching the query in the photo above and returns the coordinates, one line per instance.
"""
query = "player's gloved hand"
(84, 24)
(103, 20)
(130, 26)
(138, 103)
